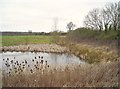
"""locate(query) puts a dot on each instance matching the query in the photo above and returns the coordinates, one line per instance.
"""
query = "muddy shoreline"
(48, 48)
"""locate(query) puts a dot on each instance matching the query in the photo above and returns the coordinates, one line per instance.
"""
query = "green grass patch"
(17, 40)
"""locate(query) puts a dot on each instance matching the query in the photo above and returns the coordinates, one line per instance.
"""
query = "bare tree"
(93, 20)
(70, 26)
(119, 15)
(106, 19)
(112, 12)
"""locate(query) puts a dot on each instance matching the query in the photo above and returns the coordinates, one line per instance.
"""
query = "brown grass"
(0, 78)
(85, 75)
(92, 54)
(90, 51)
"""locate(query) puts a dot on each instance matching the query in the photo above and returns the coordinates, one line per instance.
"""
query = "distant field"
(16, 40)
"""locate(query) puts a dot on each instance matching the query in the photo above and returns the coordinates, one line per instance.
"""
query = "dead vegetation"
(91, 53)
(88, 75)
(50, 48)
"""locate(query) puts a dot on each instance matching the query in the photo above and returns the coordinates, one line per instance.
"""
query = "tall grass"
(92, 54)
(102, 75)
(0, 78)
(92, 45)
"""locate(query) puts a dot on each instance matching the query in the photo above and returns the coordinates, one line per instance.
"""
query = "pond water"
(30, 58)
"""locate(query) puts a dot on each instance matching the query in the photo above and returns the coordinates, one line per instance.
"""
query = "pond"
(10, 59)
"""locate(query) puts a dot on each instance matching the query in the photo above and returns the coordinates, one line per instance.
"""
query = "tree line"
(106, 18)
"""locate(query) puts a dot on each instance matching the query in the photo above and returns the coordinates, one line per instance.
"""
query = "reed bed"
(43, 75)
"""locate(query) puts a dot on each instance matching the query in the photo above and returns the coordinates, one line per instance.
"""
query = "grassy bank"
(0, 78)
(91, 53)
(83, 33)
(92, 45)
(97, 38)
(102, 75)
(17, 40)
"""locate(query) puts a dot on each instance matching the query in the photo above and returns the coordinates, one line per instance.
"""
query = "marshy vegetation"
(91, 45)
(48, 48)
(27, 63)
(21, 74)
(97, 44)
(103, 70)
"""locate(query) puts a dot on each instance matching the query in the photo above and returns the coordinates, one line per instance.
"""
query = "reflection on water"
(54, 60)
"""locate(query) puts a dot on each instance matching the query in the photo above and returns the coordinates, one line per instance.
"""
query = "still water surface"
(53, 60)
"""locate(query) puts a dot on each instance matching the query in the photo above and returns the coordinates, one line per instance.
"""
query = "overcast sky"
(38, 15)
